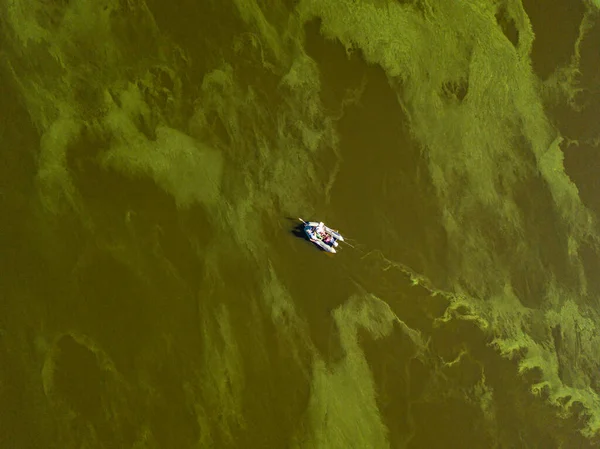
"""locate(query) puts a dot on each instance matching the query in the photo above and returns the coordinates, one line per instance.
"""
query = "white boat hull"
(310, 229)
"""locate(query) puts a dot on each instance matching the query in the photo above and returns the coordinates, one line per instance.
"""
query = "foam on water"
(236, 138)
(480, 148)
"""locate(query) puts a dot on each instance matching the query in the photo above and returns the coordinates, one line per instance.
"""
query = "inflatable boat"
(322, 236)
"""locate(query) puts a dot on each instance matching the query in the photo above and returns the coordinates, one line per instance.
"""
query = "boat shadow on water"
(298, 229)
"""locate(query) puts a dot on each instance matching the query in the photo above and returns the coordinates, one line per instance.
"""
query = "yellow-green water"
(155, 157)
